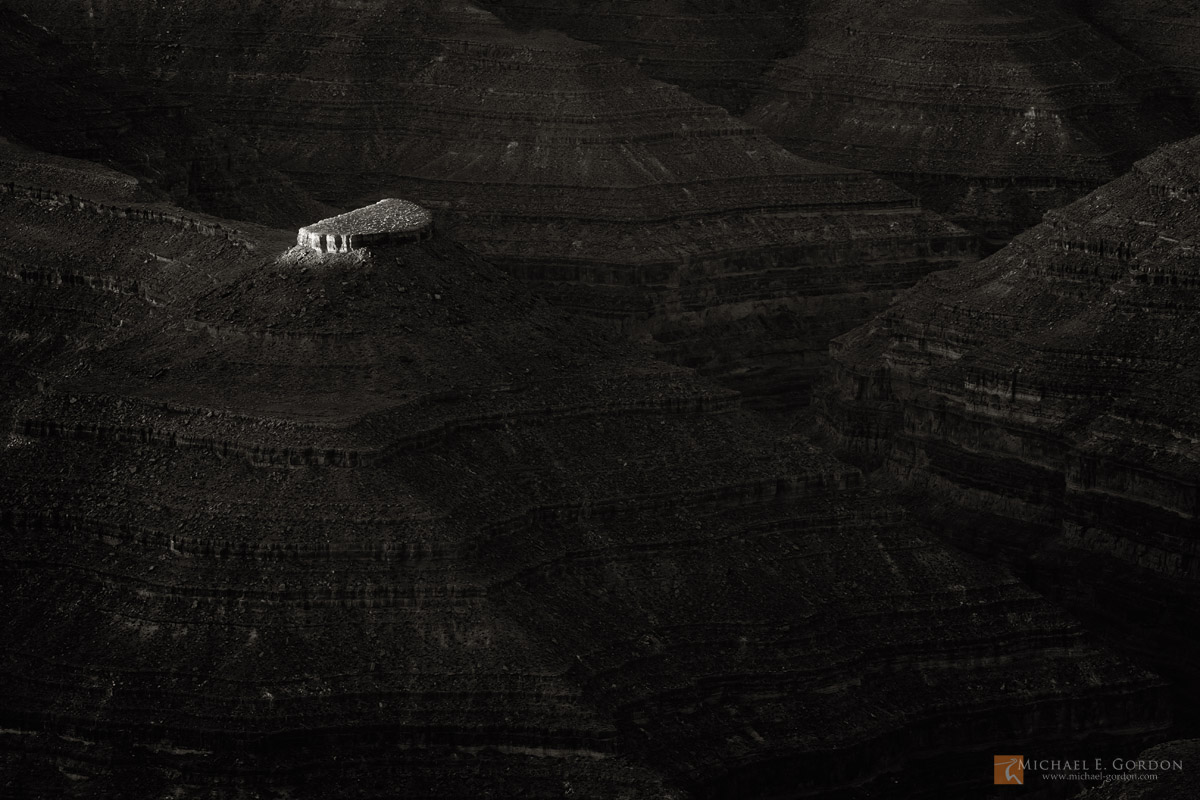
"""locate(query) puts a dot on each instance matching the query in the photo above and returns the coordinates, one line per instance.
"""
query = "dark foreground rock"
(278, 523)
(1173, 765)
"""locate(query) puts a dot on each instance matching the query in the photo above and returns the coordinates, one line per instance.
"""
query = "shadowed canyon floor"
(285, 524)
(1043, 403)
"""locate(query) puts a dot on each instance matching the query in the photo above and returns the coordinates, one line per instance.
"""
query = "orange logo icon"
(1008, 770)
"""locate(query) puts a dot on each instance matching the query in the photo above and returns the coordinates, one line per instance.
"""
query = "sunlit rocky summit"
(389, 220)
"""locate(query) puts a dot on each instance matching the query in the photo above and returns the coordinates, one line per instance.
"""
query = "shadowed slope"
(51, 99)
(992, 111)
(1168, 763)
(381, 523)
(1045, 400)
(1163, 31)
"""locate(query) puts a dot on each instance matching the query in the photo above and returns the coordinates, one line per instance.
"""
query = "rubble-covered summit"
(390, 220)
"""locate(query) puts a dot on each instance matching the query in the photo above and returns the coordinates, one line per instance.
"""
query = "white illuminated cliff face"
(389, 220)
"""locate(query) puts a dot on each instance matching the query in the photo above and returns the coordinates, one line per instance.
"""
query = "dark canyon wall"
(52, 99)
(1044, 404)
(275, 523)
(716, 51)
(1164, 31)
(993, 112)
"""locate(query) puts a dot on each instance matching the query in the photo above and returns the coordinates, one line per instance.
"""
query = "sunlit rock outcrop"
(389, 221)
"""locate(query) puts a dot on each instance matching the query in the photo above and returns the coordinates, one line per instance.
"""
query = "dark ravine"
(615, 196)
(620, 583)
(1042, 404)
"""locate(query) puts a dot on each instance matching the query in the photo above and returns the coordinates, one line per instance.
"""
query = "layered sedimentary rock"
(716, 51)
(991, 112)
(616, 196)
(390, 221)
(358, 525)
(52, 100)
(1044, 403)
(22, 166)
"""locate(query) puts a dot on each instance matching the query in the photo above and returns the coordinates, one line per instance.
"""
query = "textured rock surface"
(353, 526)
(716, 51)
(24, 166)
(1045, 402)
(387, 221)
(618, 197)
(992, 112)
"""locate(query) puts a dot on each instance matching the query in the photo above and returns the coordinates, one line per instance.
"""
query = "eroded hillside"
(1044, 402)
(277, 522)
(993, 112)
